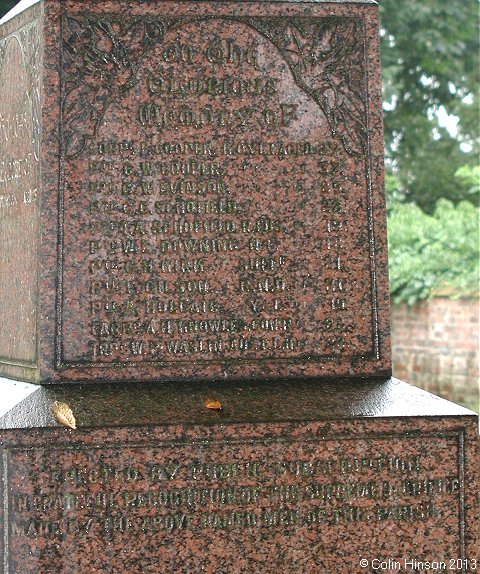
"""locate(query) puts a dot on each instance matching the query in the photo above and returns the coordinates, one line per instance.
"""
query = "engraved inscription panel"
(19, 191)
(241, 505)
(215, 191)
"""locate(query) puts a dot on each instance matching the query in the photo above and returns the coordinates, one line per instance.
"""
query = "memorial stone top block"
(192, 190)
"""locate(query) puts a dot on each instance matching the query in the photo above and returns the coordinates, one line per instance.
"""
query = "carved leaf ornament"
(100, 57)
(325, 58)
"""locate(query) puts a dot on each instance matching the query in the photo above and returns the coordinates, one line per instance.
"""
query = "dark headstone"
(288, 477)
(209, 186)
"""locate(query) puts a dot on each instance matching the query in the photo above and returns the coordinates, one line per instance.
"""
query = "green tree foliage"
(433, 254)
(430, 57)
(470, 176)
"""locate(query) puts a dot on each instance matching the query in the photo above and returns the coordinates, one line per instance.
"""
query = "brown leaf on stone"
(64, 415)
(213, 404)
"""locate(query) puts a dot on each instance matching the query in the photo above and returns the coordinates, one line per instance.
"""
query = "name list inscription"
(216, 228)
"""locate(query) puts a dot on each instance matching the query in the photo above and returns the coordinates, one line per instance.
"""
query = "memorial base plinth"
(297, 477)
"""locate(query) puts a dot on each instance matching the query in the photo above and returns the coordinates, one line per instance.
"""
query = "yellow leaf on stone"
(64, 415)
(213, 404)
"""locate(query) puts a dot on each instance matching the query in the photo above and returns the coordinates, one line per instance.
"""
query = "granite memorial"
(193, 266)
(192, 191)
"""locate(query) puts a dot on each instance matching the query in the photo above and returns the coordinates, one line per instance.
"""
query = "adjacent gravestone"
(192, 190)
(207, 199)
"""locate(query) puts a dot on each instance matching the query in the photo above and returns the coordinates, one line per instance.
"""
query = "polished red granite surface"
(212, 191)
(363, 471)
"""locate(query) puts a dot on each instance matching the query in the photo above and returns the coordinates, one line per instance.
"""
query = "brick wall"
(435, 346)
